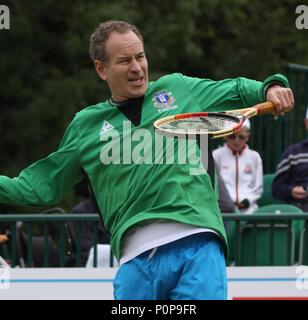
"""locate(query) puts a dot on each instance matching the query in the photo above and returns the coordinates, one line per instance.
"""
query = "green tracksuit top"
(128, 192)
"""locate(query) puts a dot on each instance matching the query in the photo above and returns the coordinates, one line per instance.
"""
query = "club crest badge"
(163, 101)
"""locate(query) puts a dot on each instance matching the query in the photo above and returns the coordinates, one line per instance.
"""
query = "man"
(165, 224)
(241, 169)
(291, 179)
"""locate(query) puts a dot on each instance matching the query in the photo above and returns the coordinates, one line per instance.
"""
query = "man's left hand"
(281, 97)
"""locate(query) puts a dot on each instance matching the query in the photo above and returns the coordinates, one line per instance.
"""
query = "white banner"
(96, 283)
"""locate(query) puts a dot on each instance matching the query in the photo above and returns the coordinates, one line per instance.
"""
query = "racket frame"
(239, 116)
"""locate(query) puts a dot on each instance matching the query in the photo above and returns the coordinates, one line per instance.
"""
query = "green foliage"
(46, 75)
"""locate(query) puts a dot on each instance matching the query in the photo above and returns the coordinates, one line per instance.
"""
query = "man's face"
(126, 70)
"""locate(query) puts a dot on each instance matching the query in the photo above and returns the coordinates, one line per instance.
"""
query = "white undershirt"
(154, 234)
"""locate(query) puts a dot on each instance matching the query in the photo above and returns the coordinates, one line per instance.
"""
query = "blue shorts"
(191, 268)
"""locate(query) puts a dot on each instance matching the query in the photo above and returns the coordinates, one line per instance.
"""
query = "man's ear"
(100, 69)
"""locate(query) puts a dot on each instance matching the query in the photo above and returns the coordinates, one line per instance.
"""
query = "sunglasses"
(237, 136)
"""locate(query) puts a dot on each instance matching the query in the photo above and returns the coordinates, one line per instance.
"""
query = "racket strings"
(200, 124)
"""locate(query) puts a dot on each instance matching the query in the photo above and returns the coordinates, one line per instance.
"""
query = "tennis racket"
(212, 124)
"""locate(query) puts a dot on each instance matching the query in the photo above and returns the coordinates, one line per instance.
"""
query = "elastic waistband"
(196, 237)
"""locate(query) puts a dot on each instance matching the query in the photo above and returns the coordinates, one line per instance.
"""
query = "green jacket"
(130, 188)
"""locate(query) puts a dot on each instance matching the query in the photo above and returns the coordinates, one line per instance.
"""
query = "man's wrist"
(275, 79)
(274, 83)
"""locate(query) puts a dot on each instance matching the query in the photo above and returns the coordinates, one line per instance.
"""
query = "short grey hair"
(101, 34)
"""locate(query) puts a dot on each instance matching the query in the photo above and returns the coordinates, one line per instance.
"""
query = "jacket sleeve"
(282, 183)
(256, 192)
(231, 94)
(46, 181)
(225, 203)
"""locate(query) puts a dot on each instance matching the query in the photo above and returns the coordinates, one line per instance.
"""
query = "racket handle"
(265, 107)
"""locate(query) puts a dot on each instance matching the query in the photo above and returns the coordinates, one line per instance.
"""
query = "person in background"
(3, 234)
(225, 202)
(3, 238)
(290, 183)
(241, 169)
(87, 228)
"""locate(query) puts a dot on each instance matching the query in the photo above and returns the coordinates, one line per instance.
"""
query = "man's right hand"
(299, 193)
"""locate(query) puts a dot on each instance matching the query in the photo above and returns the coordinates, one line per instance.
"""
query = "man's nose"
(135, 66)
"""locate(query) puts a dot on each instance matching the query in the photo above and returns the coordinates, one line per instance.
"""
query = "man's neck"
(122, 102)
(131, 108)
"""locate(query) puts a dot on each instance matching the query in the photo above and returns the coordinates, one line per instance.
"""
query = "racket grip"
(265, 107)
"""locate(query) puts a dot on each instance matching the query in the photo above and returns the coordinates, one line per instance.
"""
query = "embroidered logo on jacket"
(163, 101)
(248, 169)
(106, 127)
